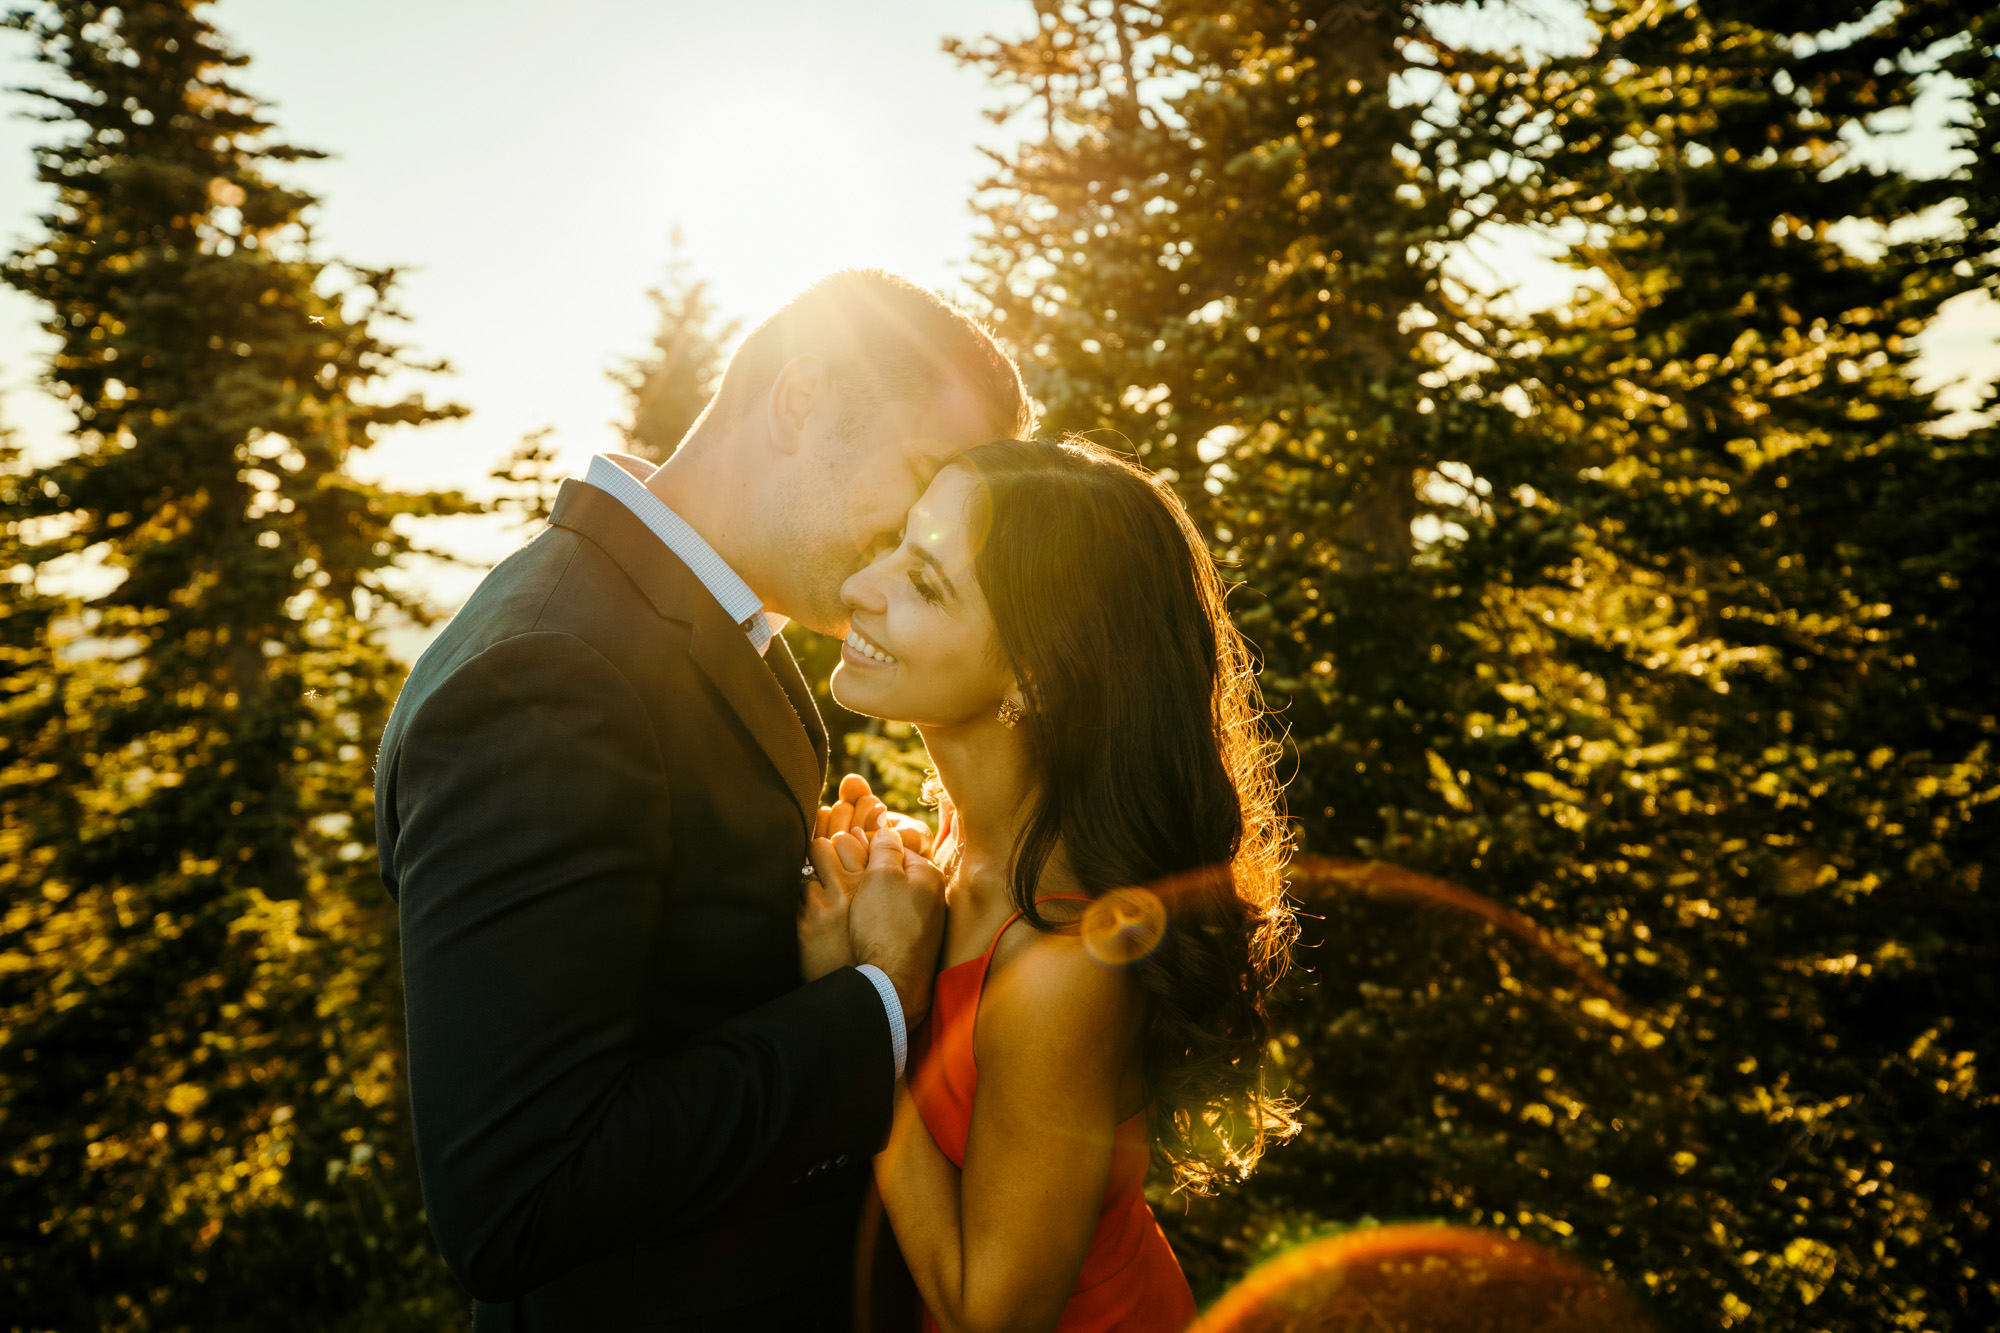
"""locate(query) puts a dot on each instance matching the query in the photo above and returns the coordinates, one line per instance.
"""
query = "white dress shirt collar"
(741, 605)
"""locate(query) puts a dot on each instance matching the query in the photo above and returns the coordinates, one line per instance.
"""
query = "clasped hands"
(874, 896)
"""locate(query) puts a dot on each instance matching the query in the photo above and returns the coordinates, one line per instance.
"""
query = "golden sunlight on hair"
(892, 340)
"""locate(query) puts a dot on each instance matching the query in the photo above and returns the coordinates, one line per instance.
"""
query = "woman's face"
(922, 647)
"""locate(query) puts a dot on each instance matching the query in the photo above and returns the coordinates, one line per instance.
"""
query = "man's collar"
(616, 477)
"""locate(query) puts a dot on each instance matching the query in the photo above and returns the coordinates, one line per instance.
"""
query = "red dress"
(1130, 1278)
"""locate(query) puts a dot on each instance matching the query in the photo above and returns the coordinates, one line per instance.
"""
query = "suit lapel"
(767, 694)
(778, 657)
(724, 654)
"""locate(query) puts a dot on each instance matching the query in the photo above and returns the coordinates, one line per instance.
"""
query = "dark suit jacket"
(592, 802)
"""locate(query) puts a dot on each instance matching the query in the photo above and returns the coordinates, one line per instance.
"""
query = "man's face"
(860, 470)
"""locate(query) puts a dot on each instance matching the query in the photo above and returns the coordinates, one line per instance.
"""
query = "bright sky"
(530, 159)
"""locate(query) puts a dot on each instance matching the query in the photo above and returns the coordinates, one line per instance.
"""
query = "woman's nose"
(863, 590)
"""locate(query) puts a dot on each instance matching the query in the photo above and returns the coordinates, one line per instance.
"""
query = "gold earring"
(1010, 713)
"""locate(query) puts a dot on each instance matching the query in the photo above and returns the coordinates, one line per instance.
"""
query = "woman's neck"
(985, 774)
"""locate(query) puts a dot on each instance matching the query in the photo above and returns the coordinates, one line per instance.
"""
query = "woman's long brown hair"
(1154, 768)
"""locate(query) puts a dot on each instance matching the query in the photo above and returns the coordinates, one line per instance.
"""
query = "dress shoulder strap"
(1046, 898)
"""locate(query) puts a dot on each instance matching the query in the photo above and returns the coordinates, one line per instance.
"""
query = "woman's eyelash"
(924, 590)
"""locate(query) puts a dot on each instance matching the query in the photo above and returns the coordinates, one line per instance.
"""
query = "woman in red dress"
(1053, 623)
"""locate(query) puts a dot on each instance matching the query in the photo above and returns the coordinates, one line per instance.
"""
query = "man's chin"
(833, 624)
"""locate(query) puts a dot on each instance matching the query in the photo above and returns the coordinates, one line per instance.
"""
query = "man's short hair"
(887, 338)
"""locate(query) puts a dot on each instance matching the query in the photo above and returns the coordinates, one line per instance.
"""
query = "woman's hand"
(860, 811)
(947, 830)
(857, 810)
(839, 854)
(824, 945)
(838, 865)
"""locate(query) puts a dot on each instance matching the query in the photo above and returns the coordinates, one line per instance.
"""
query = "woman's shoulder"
(1043, 975)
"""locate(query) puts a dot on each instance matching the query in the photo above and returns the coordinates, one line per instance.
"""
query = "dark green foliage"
(1681, 660)
(1684, 657)
(669, 387)
(200, 1045)
(530, 479)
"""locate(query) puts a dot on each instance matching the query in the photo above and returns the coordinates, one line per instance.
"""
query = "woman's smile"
(863, 651)
(920, 645)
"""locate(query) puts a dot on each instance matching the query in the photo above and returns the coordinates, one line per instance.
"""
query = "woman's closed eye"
(924, 589)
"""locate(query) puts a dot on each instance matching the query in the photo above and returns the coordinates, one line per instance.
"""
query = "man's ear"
(803, 386)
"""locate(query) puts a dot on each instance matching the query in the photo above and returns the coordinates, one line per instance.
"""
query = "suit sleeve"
(533, 826)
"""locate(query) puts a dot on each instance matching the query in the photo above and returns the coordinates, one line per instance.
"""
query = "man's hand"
(860, 811)
(895, 909)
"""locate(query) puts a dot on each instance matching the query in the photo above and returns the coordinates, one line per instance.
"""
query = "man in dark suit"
(593, 802)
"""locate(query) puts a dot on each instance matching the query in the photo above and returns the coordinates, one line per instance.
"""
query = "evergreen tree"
(200, 1045)
(669, 387)
(1756, 447)
(1636, 616)
(530, 478)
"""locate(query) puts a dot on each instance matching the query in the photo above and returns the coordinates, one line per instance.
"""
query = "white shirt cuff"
(899, 1039)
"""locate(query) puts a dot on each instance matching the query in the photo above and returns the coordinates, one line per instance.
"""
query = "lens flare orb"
(1423, 1278)
(1124, 925)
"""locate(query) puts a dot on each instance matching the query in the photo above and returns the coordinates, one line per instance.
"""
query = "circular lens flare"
(1124, 926)
(1423, 1278)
